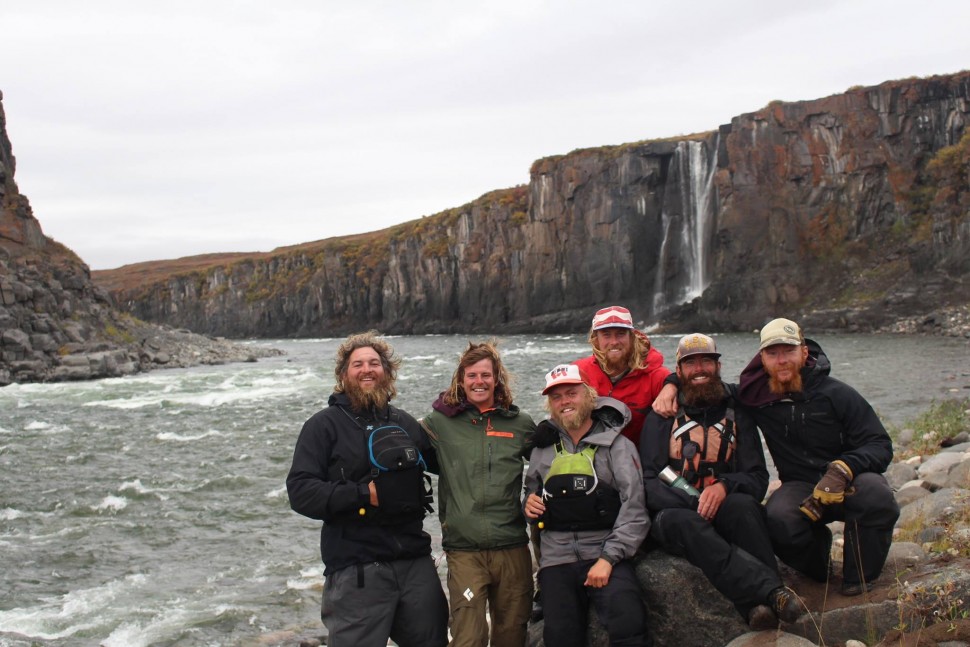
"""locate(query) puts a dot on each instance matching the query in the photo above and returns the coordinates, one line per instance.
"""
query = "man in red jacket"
(623, 365)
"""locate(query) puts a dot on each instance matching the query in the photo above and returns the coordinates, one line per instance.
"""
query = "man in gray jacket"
(586, 498)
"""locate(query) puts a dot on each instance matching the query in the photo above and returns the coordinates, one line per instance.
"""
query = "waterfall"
(699, 227)
(659, 294)
(688, 220)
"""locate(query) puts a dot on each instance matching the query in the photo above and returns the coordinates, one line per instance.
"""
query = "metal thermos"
(673, 479)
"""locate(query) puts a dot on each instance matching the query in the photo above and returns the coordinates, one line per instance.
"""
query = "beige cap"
(696, 344)
(781, 331)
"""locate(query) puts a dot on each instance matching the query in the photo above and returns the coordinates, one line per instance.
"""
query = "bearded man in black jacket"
(720, 526)
(830, 450)
(359, 467)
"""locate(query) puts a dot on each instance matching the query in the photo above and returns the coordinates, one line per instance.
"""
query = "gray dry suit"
(567, 555)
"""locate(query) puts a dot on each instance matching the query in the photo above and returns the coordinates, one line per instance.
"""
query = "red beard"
(619, 366)
(793, 385)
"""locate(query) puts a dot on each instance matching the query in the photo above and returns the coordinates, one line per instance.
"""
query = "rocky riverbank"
(55, 326)
(950, 322)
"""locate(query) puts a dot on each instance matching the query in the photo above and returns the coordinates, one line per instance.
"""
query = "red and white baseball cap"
(562, 374)
(612, 317)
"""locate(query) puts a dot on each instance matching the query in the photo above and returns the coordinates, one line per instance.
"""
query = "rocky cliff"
(56, 324)
(848, 212)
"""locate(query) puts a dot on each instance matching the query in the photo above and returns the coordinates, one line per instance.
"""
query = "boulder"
(905, 553)
(932, 508)
(770, 639)
(912, 491)
(959, 476)
(899, 474)
(935, 468)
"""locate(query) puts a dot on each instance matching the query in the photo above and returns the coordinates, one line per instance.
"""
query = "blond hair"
(638, 356)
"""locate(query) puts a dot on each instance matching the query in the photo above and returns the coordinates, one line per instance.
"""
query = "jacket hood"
(655, 359)
(450, 411)
(611, 412)
(447, 410)
(753, 388)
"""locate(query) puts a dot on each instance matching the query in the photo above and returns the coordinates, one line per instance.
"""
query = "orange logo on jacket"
(491, 431)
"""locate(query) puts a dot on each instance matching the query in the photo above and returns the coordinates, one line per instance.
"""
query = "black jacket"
(749, 473)
(328, 481)
(826, 421)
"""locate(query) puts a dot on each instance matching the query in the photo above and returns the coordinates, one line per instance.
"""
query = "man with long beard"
(830, 450)
(586, 498)
(715, 447)
(624, 365)
(359, 467)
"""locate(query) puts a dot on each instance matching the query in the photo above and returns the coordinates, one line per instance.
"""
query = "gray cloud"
(145, 132)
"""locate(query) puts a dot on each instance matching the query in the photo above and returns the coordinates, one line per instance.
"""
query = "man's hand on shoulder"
(666, 402)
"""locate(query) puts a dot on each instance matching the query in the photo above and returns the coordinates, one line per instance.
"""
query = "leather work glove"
(811, 508)
(832, 487)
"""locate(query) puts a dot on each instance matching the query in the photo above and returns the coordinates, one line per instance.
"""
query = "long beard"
(618, 366)
(365, 400)
(707, 394)
(575, 420)
(778, 387)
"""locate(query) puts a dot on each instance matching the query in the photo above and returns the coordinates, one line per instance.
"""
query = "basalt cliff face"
(848, 212)
(56, 324)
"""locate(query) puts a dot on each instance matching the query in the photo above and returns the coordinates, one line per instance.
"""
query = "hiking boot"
(850, 590)
(785, 604)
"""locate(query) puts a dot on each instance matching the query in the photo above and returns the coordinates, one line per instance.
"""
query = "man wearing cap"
(586, 498)
(830, 450)
(720, 526)
(624, 365)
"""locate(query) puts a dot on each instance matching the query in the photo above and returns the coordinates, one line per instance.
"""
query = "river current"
(152, 509)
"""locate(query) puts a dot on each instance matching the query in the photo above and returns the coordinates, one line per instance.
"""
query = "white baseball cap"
(563, 374)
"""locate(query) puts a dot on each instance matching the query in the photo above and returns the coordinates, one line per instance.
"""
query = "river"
(152, 510)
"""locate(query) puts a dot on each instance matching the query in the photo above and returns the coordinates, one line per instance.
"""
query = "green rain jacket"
(482, 458)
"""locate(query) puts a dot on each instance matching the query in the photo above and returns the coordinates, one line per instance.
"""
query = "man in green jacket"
(482, 442)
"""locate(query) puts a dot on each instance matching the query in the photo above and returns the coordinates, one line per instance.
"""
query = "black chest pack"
(404, 490)
(574, 496)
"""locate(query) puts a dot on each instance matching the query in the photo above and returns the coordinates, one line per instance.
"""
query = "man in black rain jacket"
(830, 450)
(720, 526)
(381, 581)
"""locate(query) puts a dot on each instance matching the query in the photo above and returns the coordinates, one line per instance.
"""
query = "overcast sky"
(149, 130)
